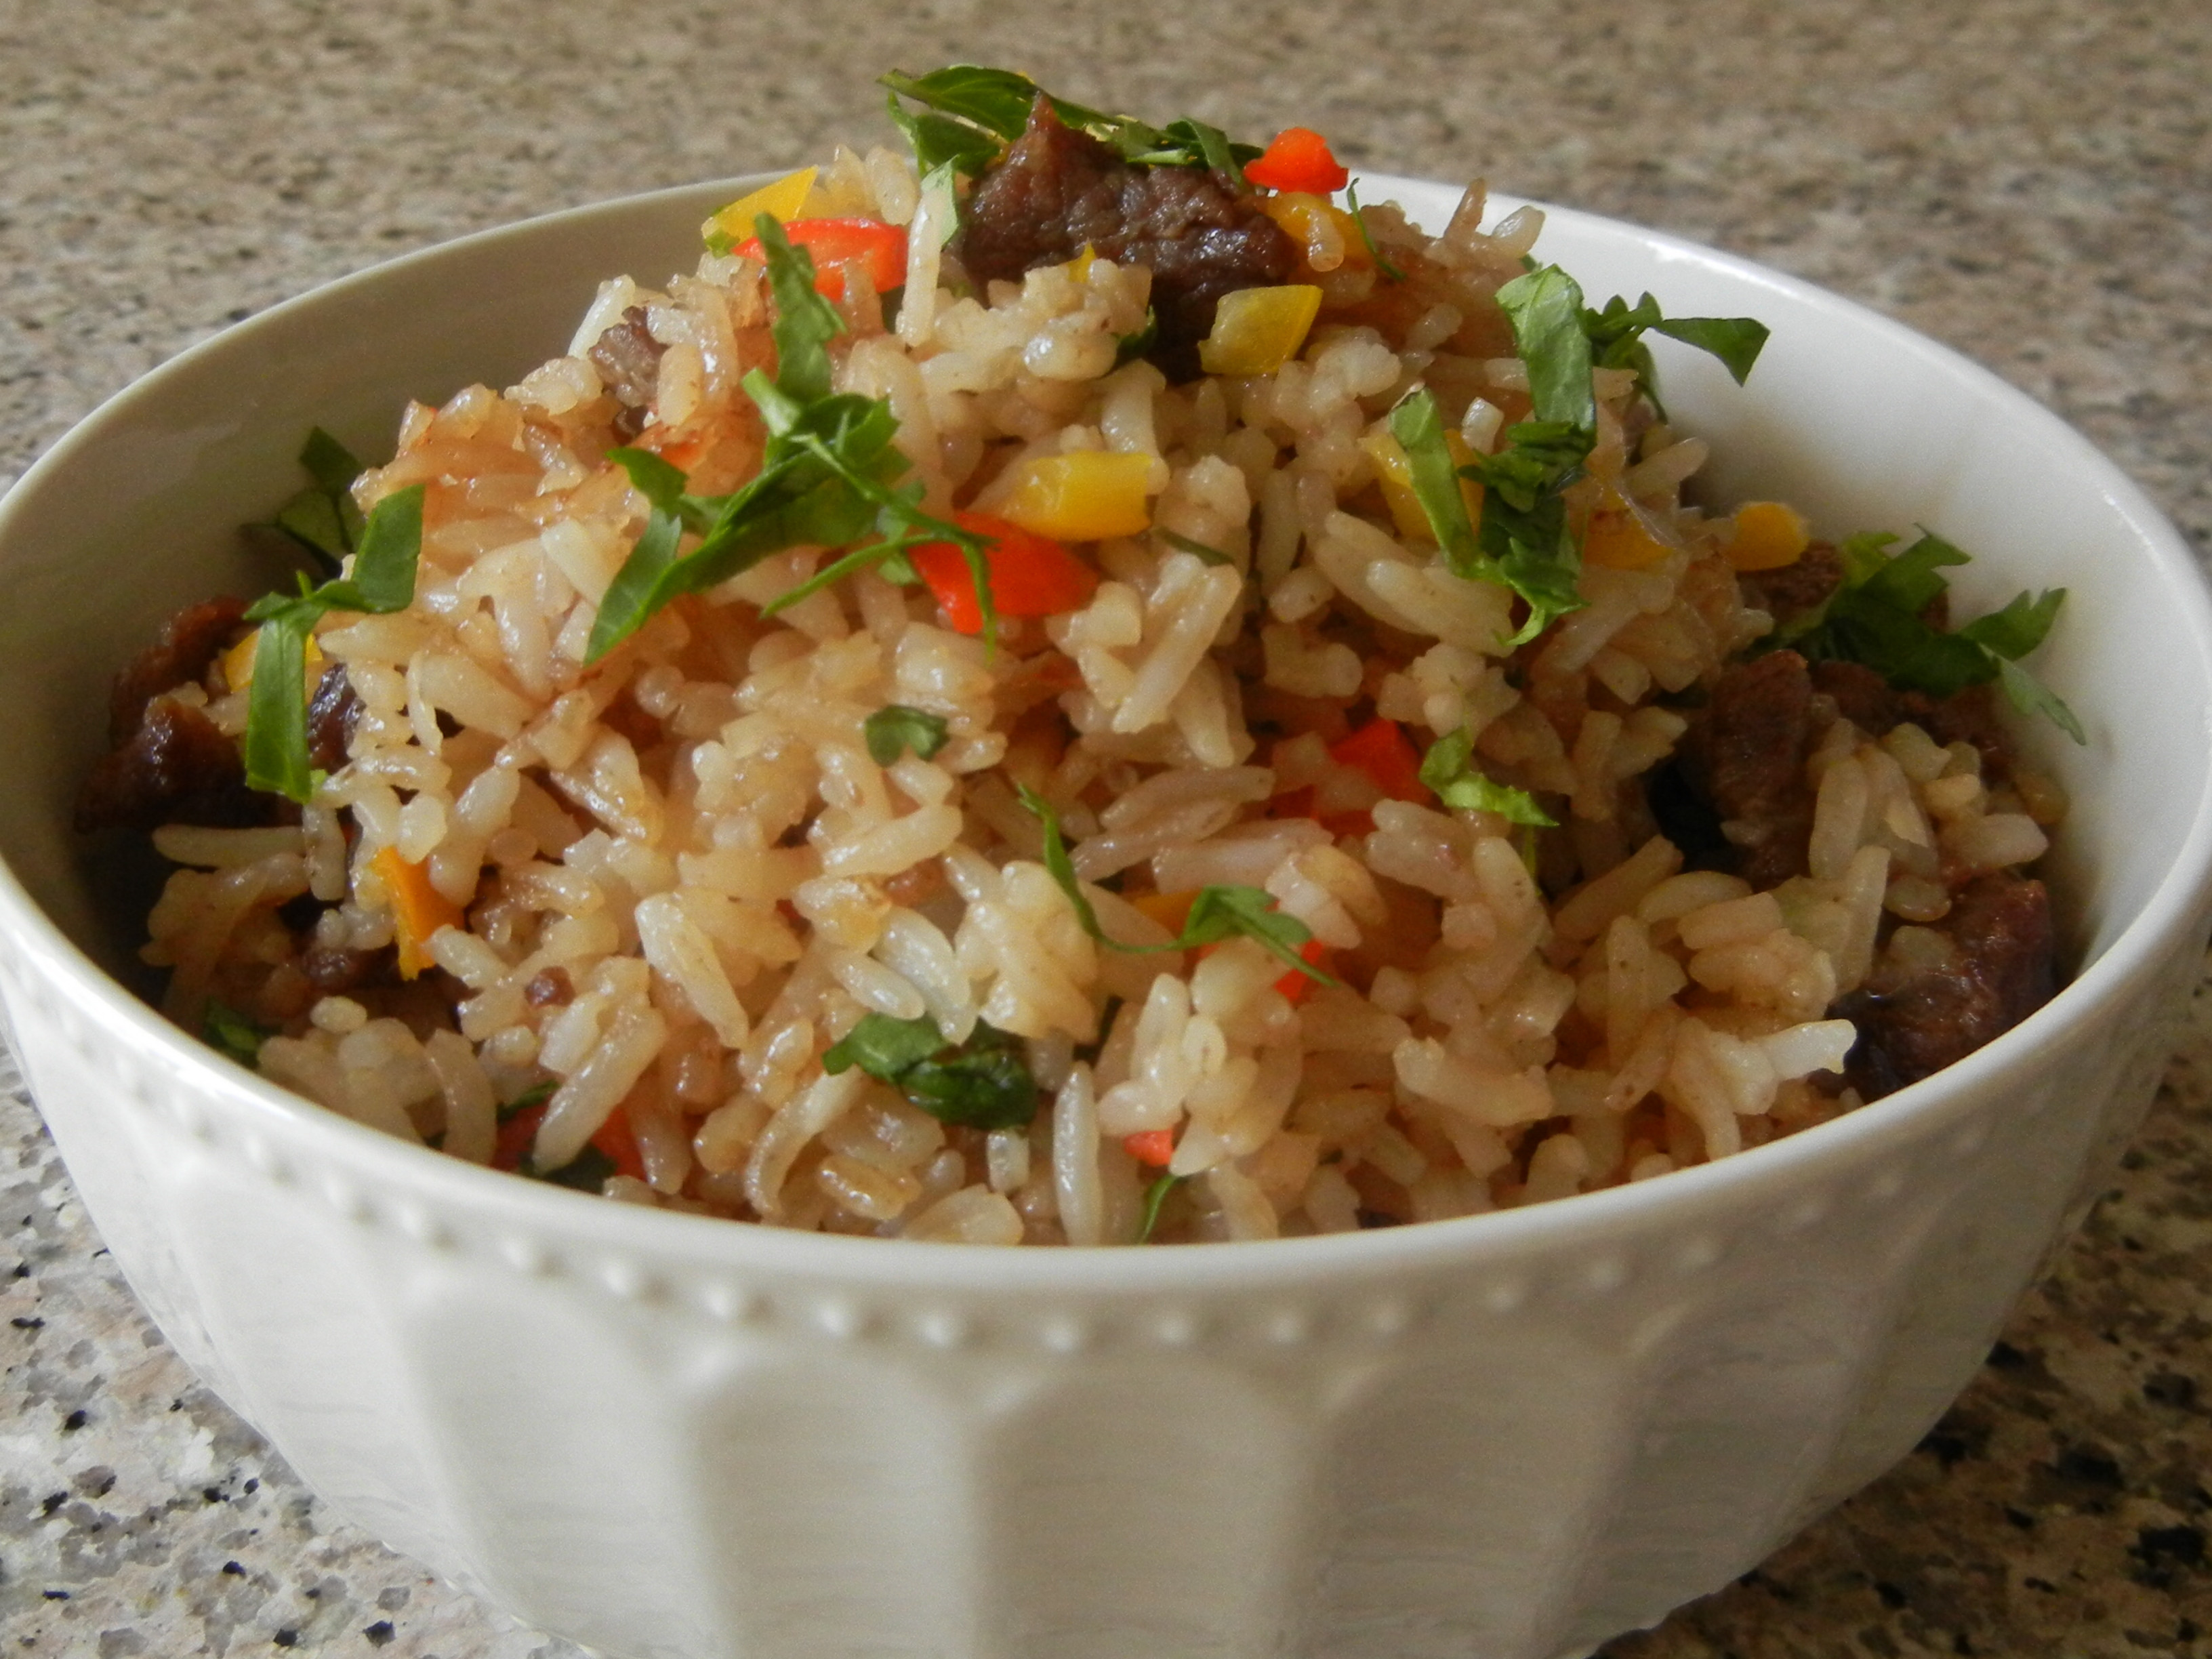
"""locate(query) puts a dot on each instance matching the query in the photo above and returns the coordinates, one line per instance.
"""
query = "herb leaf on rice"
(982, 1084)
(830, 476)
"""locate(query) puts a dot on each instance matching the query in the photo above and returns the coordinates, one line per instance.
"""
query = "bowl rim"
(2176, 904)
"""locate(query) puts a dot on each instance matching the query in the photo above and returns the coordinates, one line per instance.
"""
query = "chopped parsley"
(586, 1172)
(1523, 539)
(897, 727)
(1366, 237)
(322, 519)
(1216, 914)
(1875, 617)
(1204, 554)
(383, 581)
(536, 1095)
(830, 476)
(971, 113)
(982, 1084)
(1127, 348)
(1449, 768)
(223, 1027)
(1156, 1196)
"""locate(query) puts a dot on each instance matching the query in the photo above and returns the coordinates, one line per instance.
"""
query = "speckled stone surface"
(2029, 180)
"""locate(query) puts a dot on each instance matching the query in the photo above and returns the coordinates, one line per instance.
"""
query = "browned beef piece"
(176, 768)
(628, 359)
(1789, 592)
(332, 714)
(2000, 930)
(1749, 757)
(334, 970)
(1056, 190)
(1862, 696)
(188, 643)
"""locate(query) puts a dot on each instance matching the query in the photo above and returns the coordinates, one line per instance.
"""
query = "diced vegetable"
(1257, 330)
(618, 1141)
(1295, 984)
(1299, 159)
(1156, 1196)
(1333, 239)
(782, 200)
(1082, 497)
(418, 909)
(223, 1027)
(1029, 574)
(238, 662)
(1768, 536)
(1171, 910)
(1394, 472)
(880, 249)
(1381, 750)
(1152, 1148)
(1620, 537)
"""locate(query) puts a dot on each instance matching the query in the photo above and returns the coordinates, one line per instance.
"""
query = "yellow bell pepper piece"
(1257, 330)
(418, 909)
(1768, 536)
(1171, 910)
(238, 662)
(1395, 474)
(1329, 234)
(1080, 266)
(781, 201)
(1082, 497)
(1620, 537)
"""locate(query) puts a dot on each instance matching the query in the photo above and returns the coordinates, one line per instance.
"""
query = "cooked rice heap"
(683, 877)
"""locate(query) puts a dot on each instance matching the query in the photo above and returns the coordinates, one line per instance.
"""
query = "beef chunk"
(628, 359)
(1056, 190)
(334, 970)
(2003, 971)
(1794, 590)
(1862, 696)
(176, 768)
(1750, 752)
(188, 643)
(332, 714)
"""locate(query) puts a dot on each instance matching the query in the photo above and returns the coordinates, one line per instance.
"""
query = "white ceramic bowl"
(1509, 1437)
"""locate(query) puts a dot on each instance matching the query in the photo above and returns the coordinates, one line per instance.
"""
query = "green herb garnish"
(1874, 618)
(830, 474)
(1183, 544)
(1156, 1196)
(1616, 338)
(1216, 913)
(536, 1095)
(982, 1084)
(223, 1027)
(1367, 237)
(1449, 768)
(322, 519)
(1127, 348)
(1523, 542)
(586, 1172)
(897, 726)
(383, 581)
(976, 112)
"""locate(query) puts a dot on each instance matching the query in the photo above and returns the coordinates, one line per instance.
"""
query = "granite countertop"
(2029, 180)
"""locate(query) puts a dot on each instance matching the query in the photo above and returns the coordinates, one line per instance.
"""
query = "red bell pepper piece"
(1030, 575)
(1153, 1148)
(1381, 750)
(1294, 984)
(1299, 159)
(880, 248)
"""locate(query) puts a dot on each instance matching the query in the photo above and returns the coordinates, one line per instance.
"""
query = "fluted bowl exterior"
(1509, 1437)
